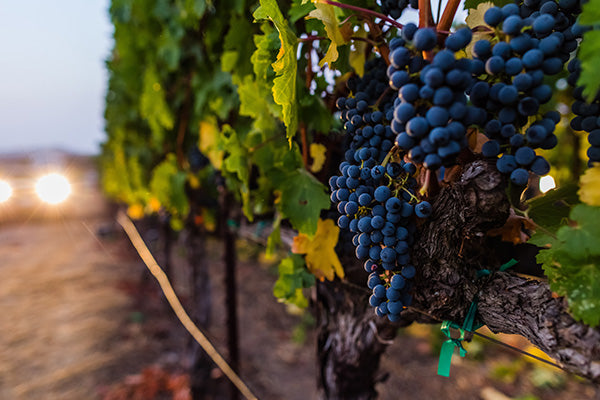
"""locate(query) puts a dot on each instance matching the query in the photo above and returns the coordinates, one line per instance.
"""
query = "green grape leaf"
(236, 161)
(589, 54)
(314, 112)
(168, 186)
(274, 239)
(285, 66)
(551, 211)
(266, 44)
(153, 106)
(327, 15)
(256, 102)
(302, 199)
(237, 50)
(591, 13)
(169, 49)
(298, 10)
(293, 277)
(474, 3)
(584, 239)
(572, 263)
(194, 9)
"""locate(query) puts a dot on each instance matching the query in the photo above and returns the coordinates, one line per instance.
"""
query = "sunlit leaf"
(285, 66)
(589, 192)
(321, 258)
(326, 14)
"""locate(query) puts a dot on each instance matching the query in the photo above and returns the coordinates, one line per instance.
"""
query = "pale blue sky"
(52, 75)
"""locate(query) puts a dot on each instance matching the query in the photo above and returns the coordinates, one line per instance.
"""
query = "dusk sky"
(52, 74)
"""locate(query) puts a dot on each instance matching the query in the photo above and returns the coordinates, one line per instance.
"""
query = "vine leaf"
(293, 277)
(318, 154)
(474, 3)
(512, 230)
(589, 50)
(299, 9)
(261, 58)
(326, 14)
(358, 58)
(475, 17)
(302, 199)
(589, 54)
(475, 20)
(168, 185)
(320, 256)
(550, 212)
(274, 239)
(590, 186)
(572, 264)
(154, 107)
(591, 13)
(209, 141)
(285, 66)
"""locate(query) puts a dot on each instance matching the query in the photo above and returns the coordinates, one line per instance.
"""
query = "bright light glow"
(547, 183)
(53, 188)
(5, 191)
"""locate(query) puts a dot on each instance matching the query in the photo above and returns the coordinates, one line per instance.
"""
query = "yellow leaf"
(589, 191)
(357, 58)
(153, 204)
(135, 211)
(209, 142)
(326, 14)
(475, 17)
(320, 256)
(317, 153)
(193, 181)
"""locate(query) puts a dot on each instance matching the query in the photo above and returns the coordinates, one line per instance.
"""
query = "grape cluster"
(587, 113)
(375, 193)
(431, 112)
(536, 39)
(394, 8)
(197, 159)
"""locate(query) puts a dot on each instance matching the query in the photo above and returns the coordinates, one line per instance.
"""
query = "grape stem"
(348, 18)
(425, 15)
(311, 38)
(431, 186)
(389, 155)
(445, 22)
(362, 39)
(363, 11)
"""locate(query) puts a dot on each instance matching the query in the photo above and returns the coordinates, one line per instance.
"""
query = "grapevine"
(402, 121)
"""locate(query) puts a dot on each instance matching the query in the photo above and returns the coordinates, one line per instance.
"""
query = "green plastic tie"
(483, 272)
(469, 325)
(448, 346)
(508, 264)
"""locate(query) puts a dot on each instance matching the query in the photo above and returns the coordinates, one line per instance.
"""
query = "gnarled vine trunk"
(453, 246)
(350, 343)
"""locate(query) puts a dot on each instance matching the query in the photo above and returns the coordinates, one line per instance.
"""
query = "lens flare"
(53, 188)
(5, 191)
(547, 183)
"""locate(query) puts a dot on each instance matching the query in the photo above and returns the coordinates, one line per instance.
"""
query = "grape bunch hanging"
(414, 114)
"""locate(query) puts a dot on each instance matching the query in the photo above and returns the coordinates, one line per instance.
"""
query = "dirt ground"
(82, 319)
